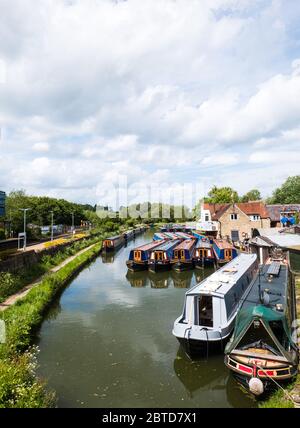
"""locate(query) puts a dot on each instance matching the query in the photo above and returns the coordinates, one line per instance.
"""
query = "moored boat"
(183, 235)
(113, 243)
(224, 251)
(160, 258)
(263, 347)
(182, 258)
(138, 257)
(158, 236)
(211, 306)
(203, 254)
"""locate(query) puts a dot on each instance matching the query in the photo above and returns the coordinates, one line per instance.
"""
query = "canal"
(107, 342)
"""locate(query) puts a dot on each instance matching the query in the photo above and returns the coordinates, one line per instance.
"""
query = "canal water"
(107, 342)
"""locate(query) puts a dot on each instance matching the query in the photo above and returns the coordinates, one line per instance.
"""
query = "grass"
(19, 386)
(279, 399)
(11, 283)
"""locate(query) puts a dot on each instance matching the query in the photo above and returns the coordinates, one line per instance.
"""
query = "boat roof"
(167, 245)
(183, 235)
(276, 287)
(203, 244)
(221, 281)
(148, 246)
(222, 244)
(171, 235)
(185, 245)
(112, 238)
(161, 235)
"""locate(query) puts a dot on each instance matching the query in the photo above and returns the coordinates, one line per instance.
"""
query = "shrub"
(2, 234)
(9, 284)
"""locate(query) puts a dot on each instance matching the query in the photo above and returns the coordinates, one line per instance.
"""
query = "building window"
(255, 217)
(206, 217)
(233, 216)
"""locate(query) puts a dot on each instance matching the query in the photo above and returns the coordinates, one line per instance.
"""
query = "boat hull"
(182, 266)
(137, 267)
(200, 263)
(197, 348)
(159, 267)
(244, 372)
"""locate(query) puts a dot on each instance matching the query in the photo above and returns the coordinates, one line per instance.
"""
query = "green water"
(107, 342)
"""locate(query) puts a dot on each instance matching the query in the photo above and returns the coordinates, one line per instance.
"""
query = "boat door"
(137, 256)
(227, 254)
(159, 255)
(182, 255)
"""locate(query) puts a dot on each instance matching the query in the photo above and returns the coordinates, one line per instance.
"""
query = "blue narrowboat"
(138, 257)
(183, 255)
(224, 251)
(183, 235)
(160, 257)
(113, 243)
(160, 236)
(128, 235)
(171, 235)
(203, 254)
(198, 234)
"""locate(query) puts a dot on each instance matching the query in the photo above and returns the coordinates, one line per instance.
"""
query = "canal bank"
(19, 386)
(107, 342)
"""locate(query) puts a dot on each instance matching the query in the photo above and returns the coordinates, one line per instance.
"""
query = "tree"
(222, 195)
(252, 195)
(288, 193)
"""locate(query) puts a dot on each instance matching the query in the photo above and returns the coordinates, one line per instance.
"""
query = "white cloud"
(137, 88)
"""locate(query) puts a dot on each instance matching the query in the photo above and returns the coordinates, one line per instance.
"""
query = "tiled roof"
(249, 208)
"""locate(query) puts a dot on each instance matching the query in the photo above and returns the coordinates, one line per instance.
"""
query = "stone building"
(237, 221)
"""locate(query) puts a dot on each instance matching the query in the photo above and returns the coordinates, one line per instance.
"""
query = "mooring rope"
(289, 397)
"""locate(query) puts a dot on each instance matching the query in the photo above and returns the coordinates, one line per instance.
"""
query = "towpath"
(22, 293)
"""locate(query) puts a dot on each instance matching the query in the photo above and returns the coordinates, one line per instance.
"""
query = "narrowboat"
(224, 251)
(160, 258)
(199, 235)
(263, 349)
(113, 243)
(183, 255)
(172, 235)
(210, 307)
(138, 257)
(160, 236)
(182, 235)
(203, 254)
(128, 235)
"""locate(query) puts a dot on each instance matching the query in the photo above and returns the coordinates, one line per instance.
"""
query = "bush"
(2, 234)
(9, 284)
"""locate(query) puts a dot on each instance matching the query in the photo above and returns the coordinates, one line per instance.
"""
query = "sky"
(169, 92)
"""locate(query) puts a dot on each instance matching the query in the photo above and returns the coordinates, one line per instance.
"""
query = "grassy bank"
(11, 283)
(19, 386)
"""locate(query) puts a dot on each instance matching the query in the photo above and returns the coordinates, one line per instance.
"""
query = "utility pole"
(51, 225)
(25, 236)
(72, 223)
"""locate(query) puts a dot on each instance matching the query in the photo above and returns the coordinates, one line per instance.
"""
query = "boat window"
(137, 255)
(257, 338)
(205, 311)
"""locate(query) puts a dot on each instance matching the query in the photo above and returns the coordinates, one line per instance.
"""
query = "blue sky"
(167, 92)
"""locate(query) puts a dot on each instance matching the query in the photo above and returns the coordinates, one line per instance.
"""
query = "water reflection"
(160, 279)
(167, 279)
(197, 375)
(137, 279)
(108, 257)
(182, 279)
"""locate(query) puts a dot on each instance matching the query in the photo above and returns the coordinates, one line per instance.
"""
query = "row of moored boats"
(180, 251)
